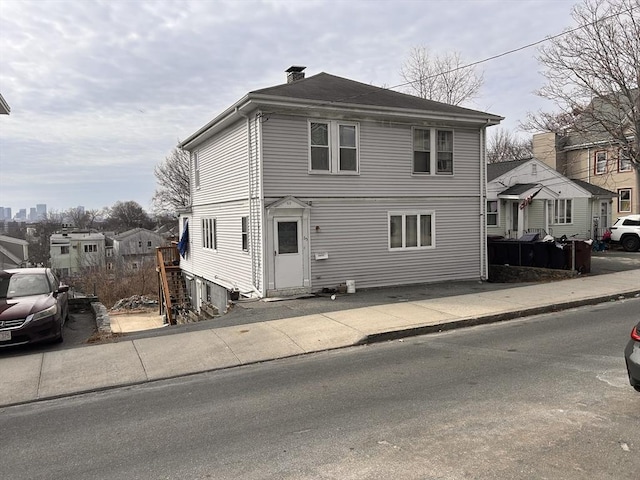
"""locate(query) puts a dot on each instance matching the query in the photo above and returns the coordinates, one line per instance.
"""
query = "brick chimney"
(295, 73)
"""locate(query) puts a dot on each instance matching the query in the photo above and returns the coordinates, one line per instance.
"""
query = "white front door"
(289, 260)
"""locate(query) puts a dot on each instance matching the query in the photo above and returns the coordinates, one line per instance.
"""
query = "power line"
(524, 47)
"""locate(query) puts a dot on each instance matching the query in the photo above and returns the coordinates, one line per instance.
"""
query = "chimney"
(295, 73)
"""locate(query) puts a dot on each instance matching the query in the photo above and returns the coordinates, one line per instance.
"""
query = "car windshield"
(22, 285)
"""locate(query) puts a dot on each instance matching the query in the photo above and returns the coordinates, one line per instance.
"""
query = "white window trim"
(606, 161)
(433, 152)
(404, 214)
(497, 213)
(209, 231)
(333, 127)
(196, 170)
(553, 207)
(245, 232)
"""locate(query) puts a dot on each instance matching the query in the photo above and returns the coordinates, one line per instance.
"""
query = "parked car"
(34, 306)
(626, 232)
(632, 357)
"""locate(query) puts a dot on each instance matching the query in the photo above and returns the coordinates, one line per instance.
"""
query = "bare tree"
(503, 146)
(592, 76)
(442, 78)
(127, 215)
(172, 177)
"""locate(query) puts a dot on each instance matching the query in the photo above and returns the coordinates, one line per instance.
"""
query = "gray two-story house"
(320, 180)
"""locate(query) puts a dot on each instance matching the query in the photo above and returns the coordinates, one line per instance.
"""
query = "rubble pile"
(135, 302)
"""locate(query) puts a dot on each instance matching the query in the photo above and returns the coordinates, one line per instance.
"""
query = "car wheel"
(631, 243)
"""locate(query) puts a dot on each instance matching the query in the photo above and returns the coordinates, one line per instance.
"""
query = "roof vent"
(295, 73)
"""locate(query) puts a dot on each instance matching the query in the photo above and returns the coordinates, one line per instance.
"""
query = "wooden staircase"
(174, 299)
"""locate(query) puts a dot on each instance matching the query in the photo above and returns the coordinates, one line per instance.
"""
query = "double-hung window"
(411, 230)
(196, 169)
(432, 151)
(561, 211)
(601, 163)
(209, 234)
(624, 160)
(492, 213)
(245, 234)
(333, 147)
(624, 200)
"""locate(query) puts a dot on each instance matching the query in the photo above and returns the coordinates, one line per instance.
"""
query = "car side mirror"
(62, 289)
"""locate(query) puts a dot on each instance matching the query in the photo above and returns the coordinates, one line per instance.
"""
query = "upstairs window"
(601, 163)
(64, 250)
(333, 147)
(624, 160)
(90, 248)
(196, 169)
(440, 142)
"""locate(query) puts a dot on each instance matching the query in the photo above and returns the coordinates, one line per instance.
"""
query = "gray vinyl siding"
(581, 226)
(354, 232)
(386, 156)
(223, 167)
(229, 265)
(536, 214)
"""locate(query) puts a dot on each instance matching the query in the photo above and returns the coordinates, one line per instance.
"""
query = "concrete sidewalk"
(27, 378)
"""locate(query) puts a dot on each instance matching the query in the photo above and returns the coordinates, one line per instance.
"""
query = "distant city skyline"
(31, 214)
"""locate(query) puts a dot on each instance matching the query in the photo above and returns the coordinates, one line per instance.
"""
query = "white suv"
(626, 232)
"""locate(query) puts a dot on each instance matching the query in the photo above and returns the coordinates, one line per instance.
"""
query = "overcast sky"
(101, 90)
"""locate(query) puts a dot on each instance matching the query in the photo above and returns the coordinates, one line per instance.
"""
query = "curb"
(487, 319)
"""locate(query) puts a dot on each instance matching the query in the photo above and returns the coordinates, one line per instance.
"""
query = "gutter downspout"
(484, 261)
(251, 213)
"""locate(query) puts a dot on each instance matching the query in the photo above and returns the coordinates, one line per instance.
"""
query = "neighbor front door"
(289, 262)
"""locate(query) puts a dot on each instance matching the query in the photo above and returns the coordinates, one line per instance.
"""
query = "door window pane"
(287, 237)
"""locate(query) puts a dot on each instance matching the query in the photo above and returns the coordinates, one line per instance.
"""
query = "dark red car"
(33, 306)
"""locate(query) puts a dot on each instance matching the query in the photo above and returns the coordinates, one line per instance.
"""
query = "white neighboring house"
(305, 185)
(73, 251)
(14, 252)
(133, 248)
(530, 196)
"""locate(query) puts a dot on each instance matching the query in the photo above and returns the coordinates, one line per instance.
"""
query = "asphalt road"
(545, 397)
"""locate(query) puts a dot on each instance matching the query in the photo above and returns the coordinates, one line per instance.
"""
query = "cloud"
(101, 91)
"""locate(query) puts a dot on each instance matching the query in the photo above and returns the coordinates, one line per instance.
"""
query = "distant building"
(33, 214)
(7, 213)
(74, 251)
(21, 216)
(135, 247)
(41, 211)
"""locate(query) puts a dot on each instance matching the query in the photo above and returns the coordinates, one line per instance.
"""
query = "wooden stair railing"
(172, 289)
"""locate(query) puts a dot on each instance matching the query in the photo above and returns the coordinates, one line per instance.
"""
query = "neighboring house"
(74, 251)
(317, 181)
(14, 252)
(529, 196)
(598, 163)
(133, 248)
